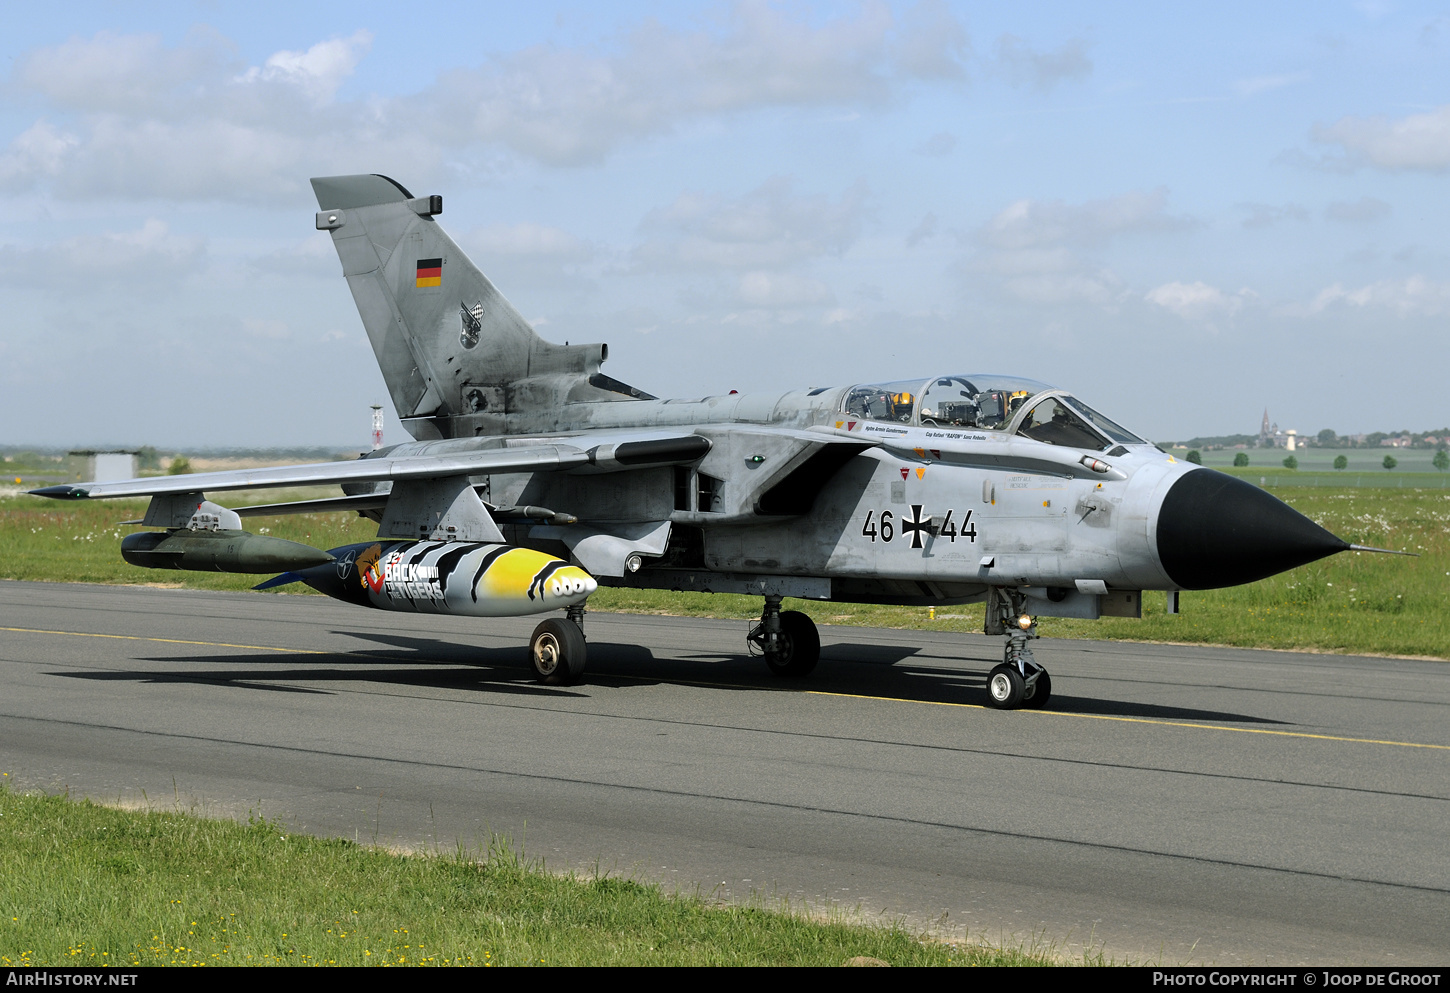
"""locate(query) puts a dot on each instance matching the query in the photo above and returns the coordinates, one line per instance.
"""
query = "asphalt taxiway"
(1174, 804)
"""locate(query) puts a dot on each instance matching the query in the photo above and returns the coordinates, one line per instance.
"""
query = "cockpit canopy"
(990, 403)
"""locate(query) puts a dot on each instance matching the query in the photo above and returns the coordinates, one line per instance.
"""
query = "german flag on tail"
(430, 272)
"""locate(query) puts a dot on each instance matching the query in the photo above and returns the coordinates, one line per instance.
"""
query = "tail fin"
(457, 358)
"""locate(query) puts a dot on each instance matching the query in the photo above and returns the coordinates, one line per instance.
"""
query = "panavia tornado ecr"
(534, 478)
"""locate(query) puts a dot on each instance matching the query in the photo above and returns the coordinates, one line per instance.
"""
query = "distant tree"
(180, 466)
(1291, 463)
(1241, 459)
(1193, 457)
(147, 458)
(1390, 462)
(1441, 460)
(1327, 438)
(1340, 462)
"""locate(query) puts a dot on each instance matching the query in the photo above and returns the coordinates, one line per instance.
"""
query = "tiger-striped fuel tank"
(468, 578)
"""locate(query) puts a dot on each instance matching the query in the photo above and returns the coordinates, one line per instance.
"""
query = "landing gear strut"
(557, 650)
(1019, 681)
(788, 640)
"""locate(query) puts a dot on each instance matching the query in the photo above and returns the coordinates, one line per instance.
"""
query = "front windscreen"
(1054, 422)
(1112, 429)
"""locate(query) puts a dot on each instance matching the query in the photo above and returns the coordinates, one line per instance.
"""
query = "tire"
(1040, 693)
(557, 652)
(800, 646)
(1005, 687)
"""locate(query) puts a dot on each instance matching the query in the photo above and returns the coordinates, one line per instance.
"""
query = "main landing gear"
(788, 640)
(557, 649)
(1019, 681)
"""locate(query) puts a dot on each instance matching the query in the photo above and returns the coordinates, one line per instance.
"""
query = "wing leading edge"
(625, 454)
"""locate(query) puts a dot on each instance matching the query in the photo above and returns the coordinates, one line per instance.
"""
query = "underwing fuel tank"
(219, 551)
(450, 577)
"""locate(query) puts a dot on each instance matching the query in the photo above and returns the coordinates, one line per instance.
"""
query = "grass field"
(1353, 602)
(89, 885)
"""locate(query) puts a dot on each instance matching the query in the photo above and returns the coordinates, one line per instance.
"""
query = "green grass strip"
(82, 884)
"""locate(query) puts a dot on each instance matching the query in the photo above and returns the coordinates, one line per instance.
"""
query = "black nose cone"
(1216, 530)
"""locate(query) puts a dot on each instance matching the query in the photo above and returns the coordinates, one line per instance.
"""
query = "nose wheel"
(1019, 681)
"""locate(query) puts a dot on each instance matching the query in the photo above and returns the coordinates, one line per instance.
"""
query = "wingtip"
(64, 491)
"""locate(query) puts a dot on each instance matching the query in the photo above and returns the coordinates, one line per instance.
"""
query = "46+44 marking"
(884, 525)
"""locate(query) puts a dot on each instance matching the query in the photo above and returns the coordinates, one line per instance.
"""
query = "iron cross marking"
(916, 525)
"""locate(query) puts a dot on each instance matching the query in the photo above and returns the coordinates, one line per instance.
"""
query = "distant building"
(1271, 436)
(102, 467)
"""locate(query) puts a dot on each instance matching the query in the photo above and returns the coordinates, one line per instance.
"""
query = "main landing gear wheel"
(798, 646)
(557, 652)
(1036, 696)
(1005, 687)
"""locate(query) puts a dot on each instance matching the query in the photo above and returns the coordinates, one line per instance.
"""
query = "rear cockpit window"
(983, 402)
(884, 401)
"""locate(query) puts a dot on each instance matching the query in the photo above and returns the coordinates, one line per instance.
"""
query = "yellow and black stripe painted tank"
(450, 577)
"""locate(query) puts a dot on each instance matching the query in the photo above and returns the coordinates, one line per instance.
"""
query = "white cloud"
(134, 74)
(130, 116)
(138, 119)
(527, 239)
(1196, 301)
(570, 106)
(38, 151)
(922, 231)
(1361, 211)
(269, 328)
(1037, 224)
(932, 43)
(771, 226)
(317, 72)
(781, 289)
(1100, 287)
(150, 254)
(1417, 142)
(1412, 297)
(1263, 215)
(1035, 250)
(312, 257)
(1020, 64)
(938, 144)
(1262, 84)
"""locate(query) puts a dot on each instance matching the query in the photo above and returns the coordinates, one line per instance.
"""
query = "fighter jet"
(534, 478)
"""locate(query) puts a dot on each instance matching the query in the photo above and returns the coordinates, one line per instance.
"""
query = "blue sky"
(1184, 214)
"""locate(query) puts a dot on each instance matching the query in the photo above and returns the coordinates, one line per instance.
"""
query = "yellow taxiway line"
(171, 641)
(1144, 720)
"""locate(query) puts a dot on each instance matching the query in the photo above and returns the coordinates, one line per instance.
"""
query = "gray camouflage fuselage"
(794, 495)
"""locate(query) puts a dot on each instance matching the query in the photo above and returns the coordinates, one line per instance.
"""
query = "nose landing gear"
(1019, 681)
